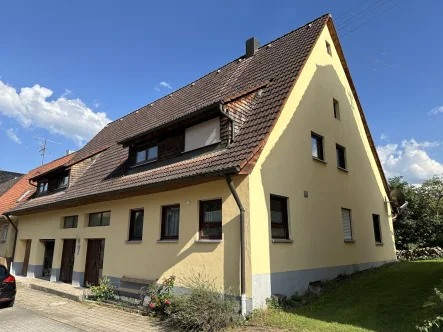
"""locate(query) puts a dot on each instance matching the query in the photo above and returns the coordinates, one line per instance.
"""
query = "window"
(3, 272)
(170, 222)
(146, 153)
(136, 225)
(4, 235)
(203, 134)
(328, 48)
(279, 217)
(99, 219)
(70, 222)
(341, 156)
(211, 219)
(42, 186)
(63, 181)
(377, 229)
(347, 224)
(317, 146)
(335, 104)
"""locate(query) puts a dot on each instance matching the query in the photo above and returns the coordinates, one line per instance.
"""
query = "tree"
(420, 224)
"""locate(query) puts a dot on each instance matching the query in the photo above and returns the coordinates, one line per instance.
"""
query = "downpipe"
(242, 245)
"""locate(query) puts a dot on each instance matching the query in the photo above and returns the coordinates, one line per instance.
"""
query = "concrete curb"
(77, 298)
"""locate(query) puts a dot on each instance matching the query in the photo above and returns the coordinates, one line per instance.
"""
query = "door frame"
(26, 258)
(70, 266)
(92, 274)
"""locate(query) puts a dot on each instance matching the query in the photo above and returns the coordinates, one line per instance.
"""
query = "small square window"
(279, 217)
(146, 153)
(136, 225)
(341, 156)
(377, 229)
(170, 222)
(70, 222)
(347, 224)
(328, 48)
(42, 186)
(317, 146)
(336, 109)
(211, 219)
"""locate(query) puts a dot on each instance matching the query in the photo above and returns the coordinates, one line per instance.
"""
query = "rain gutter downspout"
(242, 244)
(15, 236)
(230, 118)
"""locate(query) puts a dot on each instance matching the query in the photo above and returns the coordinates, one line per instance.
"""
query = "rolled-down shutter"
(346, 222)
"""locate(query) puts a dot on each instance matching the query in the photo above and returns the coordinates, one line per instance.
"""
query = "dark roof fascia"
(132, 140)
(118, 193)
(53, 171)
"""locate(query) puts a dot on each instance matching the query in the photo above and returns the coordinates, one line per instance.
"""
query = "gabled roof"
(23, 189)
(4, 186)
(256, 87)
(6, 176)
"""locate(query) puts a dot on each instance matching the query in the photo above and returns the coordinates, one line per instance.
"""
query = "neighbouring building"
(261, 175)
(16, 189)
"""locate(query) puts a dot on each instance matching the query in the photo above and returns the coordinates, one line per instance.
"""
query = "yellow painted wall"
(6, 248)
(286, 168)
(150, 259)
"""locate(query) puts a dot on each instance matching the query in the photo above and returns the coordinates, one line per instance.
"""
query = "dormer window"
(203, 134)
(42, 186)
(146, 153)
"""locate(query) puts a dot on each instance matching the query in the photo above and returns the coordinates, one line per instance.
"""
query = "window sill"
(144, 163)
(379, 243)
(349, 241)
(343, 169)
(208, 241)
(319, 160)
(133, 241)
(282, 241)
(167, 241)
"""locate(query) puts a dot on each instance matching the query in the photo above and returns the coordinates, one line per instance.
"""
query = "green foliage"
(294, 301)
(160, 296)
(421, 223)
(203, 308)
(435, 324)
(102, 292)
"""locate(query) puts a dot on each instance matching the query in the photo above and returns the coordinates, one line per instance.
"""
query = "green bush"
(203, 308)
(102, 292)
(160, 296)
(435, 324)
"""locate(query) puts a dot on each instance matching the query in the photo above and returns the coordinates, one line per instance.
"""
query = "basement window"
(328, 48)
(203, 134)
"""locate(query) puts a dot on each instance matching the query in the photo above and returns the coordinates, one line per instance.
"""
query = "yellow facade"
(149, 259)
(287, 168)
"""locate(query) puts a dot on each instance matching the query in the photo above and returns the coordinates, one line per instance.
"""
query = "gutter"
(242, 244)
(15, 236)
(230, 118)
(29, 181)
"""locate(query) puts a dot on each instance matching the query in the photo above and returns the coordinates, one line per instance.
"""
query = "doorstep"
(56, 288)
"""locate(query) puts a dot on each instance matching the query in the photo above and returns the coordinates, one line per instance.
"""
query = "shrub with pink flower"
(160, 297)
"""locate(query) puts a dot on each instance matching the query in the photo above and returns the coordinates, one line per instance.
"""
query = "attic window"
(203, 134)
(42, 186)
(146, 153)
(328, 49)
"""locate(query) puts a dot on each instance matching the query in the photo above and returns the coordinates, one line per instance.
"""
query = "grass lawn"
(391, 298)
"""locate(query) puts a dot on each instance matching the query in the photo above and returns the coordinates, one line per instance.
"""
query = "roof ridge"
(215, 70)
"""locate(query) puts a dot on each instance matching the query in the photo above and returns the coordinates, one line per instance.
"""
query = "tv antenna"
(43, 149)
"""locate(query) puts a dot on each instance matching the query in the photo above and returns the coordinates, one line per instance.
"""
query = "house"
(15, 189)
(261, 175)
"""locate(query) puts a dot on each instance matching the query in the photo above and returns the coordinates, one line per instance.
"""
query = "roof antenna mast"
(43, 149)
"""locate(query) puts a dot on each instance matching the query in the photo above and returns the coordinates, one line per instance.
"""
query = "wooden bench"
(140, 292)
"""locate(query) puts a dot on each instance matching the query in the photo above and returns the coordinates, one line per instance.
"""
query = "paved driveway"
(38, 311)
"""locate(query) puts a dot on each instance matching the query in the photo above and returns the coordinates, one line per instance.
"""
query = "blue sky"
(81, 64)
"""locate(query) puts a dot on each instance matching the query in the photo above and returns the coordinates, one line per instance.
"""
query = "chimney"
(252, 46)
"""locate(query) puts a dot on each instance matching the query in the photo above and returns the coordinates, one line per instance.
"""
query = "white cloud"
(162, 85)
(13, 136)
(410, 159)
(68, 117)
(96, 104)
(436, 110)
(383, 137)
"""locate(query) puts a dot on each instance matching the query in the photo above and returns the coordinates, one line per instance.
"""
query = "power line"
(343, 24)
(350, 10)
(358, 27)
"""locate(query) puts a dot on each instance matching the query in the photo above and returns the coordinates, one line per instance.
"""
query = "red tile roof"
(272, 69)
(9, 199)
